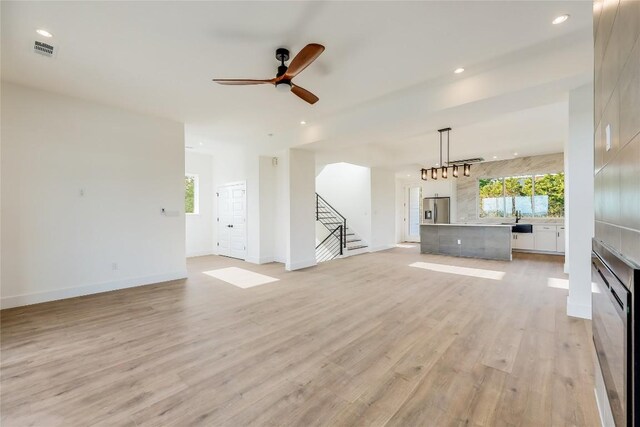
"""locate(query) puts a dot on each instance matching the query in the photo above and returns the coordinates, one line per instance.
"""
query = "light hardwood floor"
(366, 340)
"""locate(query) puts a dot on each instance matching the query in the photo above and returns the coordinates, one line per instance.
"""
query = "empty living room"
(319, 213)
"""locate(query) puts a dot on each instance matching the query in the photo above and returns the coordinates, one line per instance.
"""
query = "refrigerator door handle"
(435, 211)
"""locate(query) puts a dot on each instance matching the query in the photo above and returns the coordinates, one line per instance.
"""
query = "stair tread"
(351, 248)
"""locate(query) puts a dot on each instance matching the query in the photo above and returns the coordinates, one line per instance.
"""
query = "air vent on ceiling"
(467, 161)
(43, 48)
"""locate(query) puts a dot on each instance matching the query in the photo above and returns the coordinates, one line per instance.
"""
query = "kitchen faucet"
(518, 216)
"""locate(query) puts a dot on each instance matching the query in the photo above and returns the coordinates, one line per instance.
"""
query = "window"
(491, 197)
(191, 194)
(540, 196)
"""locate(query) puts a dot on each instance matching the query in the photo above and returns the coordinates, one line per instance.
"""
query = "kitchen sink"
(520, 228)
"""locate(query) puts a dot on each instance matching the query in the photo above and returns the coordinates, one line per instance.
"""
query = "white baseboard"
(301, 264)
(58, 294)
(199, 253)
(582, 311)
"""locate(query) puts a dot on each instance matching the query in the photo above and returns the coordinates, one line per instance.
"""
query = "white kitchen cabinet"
(522, 241)
(560, 239)
(545, 238)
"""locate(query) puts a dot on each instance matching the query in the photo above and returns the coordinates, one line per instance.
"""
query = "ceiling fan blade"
(306, 56)
(304, 94)
(242, 81)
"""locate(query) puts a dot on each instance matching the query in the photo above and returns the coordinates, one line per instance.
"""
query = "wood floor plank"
(362, 341)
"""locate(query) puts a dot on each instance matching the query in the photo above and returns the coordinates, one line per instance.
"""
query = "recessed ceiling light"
(495, 157)
(458, 70)
(303, 123)
(437, 164)
(201, 143)
(44, 33)
(515, 154)
(560, 19)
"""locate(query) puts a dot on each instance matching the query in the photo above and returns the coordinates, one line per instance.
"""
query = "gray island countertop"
(488, 241)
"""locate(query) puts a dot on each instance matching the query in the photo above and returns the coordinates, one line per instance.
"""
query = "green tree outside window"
(189, 193)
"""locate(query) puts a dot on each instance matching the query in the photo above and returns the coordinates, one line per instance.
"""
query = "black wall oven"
(615, 331)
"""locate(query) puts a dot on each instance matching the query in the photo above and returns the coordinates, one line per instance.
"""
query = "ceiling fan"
(285, 74)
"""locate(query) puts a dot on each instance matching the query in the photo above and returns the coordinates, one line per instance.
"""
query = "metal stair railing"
(330, 217)
(331, 247)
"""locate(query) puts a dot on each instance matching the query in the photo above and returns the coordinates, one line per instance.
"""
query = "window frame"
(196, 193)
(533, 195)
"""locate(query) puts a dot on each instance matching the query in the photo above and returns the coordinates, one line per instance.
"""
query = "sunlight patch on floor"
(405, 245)
(463, 271)
(553, 282)
(240, 277)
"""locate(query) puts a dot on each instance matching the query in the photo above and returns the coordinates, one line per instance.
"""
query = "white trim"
(406, 199)
(599, 408)
(96, 288)
(582, 311)
(302, 264)
(200, 253)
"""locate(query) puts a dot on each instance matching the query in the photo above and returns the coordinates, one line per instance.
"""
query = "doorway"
(232, 220)
(412, 214)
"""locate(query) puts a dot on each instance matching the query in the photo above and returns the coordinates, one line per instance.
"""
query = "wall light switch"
(459, 241)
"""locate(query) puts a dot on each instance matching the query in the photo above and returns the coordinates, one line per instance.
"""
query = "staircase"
(341, 241)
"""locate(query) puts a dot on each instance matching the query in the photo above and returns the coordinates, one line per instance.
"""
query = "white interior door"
(232, 220)
(412, 214)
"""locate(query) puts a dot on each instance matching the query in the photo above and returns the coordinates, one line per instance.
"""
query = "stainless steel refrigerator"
(435, 210)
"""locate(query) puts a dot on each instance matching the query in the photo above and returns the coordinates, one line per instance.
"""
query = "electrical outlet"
(114, 266)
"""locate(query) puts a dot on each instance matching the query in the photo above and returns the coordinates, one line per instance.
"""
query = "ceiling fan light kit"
(446, 165)
(285, 73)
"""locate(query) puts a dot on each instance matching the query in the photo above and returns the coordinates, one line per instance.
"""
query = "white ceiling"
(385, 81)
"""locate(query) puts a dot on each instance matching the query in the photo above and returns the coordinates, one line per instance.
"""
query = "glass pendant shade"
(445, 172)
(455, 171)
(424, 174)
(467, 169)
(434, 173)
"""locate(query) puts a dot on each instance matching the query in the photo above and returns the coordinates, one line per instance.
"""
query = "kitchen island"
(488, 241)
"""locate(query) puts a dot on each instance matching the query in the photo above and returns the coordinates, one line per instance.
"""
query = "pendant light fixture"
(444, 169)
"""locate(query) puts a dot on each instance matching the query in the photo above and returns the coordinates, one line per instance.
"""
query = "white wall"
(383, 199)
(300, 216)
(267, 205)
(347, 188)
(199, 227)
(579, 207)
(83, 186)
